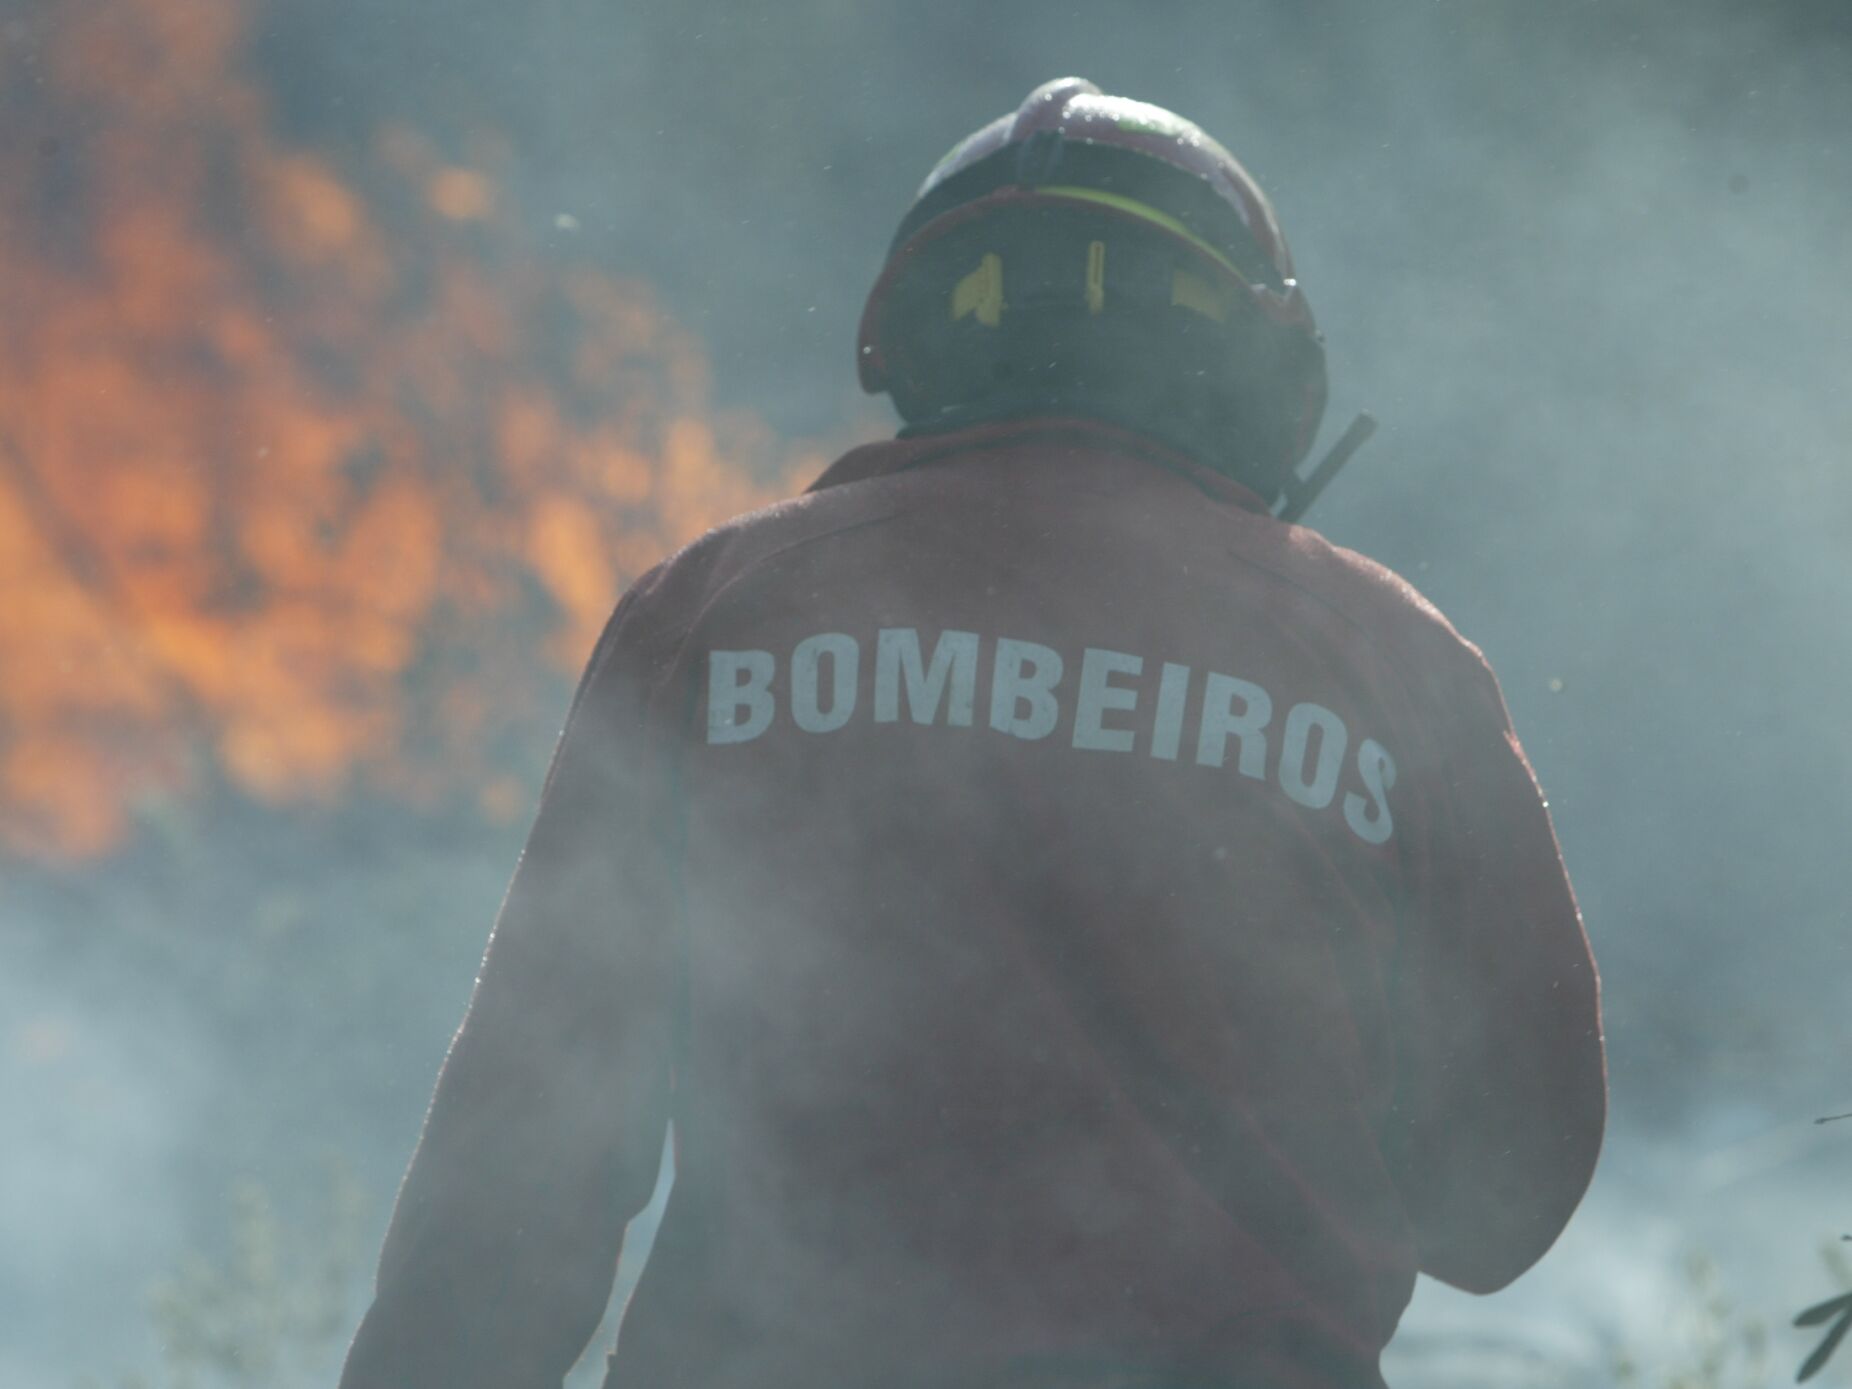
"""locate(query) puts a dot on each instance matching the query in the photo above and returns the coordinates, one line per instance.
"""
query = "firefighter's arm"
(1503, 1093)
(544, 1134)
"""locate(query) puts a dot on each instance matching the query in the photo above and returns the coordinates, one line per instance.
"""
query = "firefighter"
(1084, 931)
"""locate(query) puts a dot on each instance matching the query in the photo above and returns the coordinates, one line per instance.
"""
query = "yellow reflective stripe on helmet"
(1096, 276)
(1147, 213)
(1194, 292)
(981, 292)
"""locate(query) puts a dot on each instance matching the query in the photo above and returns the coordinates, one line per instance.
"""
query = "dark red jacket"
(1084, 931)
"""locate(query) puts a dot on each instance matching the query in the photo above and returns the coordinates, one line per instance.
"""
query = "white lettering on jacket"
(1097, 667)
(739, 695)
(1022, 689)
(954, 663)
(845, 656)
(822, 686)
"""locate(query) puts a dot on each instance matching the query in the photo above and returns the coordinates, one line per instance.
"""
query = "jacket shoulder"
(666, 602)
(1407, 628)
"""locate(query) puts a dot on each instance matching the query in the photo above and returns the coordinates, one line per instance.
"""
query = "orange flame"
(310, 483)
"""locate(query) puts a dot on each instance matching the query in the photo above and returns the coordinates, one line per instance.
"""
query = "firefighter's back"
(1041, 864)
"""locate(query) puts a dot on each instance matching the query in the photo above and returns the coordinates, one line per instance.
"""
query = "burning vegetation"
(316, 479)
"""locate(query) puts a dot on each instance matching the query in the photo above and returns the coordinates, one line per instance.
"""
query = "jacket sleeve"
(544, 1135)
(1502, 1094)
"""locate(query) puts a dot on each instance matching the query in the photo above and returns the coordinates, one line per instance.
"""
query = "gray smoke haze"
(1585, 262)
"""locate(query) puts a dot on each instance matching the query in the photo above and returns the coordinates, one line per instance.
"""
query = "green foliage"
(1725, 1347)
(1835, 1310)
(271, 1308)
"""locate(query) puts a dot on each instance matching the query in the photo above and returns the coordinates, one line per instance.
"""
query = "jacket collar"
(890, 456)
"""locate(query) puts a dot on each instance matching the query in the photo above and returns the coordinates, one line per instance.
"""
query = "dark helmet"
(1098, 254)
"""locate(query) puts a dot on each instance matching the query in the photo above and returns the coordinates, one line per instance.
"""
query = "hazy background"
(1587, 264)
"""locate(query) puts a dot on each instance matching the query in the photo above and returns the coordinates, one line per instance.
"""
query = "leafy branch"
(270, 1309)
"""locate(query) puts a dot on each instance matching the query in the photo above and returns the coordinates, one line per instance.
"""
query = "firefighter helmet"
(1105, 254)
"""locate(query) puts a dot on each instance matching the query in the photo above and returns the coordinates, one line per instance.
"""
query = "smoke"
(84, 1091)
(1584, 262)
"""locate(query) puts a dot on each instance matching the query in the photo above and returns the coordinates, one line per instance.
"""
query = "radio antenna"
(1299, 493)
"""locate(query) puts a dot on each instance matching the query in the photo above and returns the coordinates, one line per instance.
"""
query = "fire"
(314, 480)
